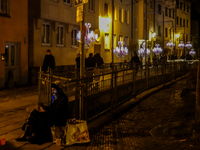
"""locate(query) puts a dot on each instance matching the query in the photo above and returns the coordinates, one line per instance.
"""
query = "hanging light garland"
(157, 50)
(170, 44)
(188, 45)
(141, 51)
(90, 37)
(192, 52)
(181, 45)
(121, 51)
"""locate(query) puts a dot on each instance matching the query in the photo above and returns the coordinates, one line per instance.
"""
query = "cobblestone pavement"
(129, 131)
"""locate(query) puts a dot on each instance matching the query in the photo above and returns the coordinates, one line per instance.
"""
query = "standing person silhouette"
(49, 61)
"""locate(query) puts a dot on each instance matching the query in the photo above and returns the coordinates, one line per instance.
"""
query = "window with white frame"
(73, 37)
(60, 35)
(126, 17)
(67, 1)
(120, 14)
(107, 41)
(4, 5)
(46, 33)
(91, 5)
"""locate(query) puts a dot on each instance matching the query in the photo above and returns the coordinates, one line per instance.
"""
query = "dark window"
(67, 1)
(159, 8)
(105, 9)
(170, 13)
(4, 5)
(120, 15)
(184, 6)
(177, 3)
(180, 21)
(159, 30)
(187, 8)
(91, 5)
(166, 32)
(181, 5)
(173, 13)
(166, 11)
(177, 20)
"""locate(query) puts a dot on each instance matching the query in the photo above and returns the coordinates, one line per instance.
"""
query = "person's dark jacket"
(135, 59)
(98, 60)
(77, 62)
(90, 62)
(49, 61)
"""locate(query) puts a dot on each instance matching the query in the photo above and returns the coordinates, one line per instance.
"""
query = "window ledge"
(72, 46)
(5, 15)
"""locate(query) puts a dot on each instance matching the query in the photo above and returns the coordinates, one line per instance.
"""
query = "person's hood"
(59, 90)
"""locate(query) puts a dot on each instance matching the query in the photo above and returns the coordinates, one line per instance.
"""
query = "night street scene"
(99, 75)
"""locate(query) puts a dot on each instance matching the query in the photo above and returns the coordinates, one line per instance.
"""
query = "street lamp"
(120, 51)
(157, 50)
(141, 51)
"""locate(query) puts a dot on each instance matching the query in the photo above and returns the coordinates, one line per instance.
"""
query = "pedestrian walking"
(78, 61)
(98, 60)
(90, 64)
(49, 61)
(135, 59)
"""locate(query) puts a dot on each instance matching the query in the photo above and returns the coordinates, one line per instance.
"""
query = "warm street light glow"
(90, 36)
(153, 35)
(157, 50)
(188, 45)
(181, 45)
(192, 52)
(177, 35)
(170, 44)
(121, 51)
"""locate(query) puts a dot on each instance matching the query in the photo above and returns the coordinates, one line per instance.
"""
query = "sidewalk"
(128, 132)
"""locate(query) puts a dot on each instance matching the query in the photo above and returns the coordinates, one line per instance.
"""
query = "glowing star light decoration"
(157, 50)
(90, 36)
(188, 45)
(181, 45)
(192, 52)
(170, 44)
(141, 51)
(121, 51)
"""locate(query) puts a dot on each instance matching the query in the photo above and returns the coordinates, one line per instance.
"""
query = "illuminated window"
(105, 9)
(67, 1)
(126, 17)
(46, 33)
(107, 41)
(4, 5)
(120, 14)
(115, 13)
(73, 37)
(91, 5)
(60, 36)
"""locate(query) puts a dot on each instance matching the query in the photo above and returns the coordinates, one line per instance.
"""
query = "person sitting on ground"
(38, 126)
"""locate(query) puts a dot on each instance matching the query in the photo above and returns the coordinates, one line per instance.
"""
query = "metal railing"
(97, 92)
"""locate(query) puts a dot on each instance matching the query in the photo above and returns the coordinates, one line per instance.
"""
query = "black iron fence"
(102, 89)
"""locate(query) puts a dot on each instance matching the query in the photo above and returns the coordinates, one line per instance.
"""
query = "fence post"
(134, 80)
(39, 85)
